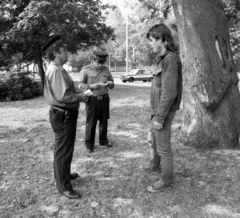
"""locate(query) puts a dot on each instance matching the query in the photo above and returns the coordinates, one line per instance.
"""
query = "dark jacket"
(166, 89)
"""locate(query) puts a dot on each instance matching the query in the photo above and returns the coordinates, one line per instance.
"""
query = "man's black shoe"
(71, 194)
(74, 175)
(151, 169)
(107, 145)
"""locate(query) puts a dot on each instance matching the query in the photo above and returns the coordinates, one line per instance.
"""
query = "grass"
(111, 182)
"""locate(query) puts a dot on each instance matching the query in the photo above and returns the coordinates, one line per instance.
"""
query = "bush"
(19, 86)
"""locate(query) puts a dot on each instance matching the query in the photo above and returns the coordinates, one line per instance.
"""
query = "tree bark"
(40, 64)
(211, 99)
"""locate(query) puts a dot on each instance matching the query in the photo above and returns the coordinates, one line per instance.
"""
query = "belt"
(58, 108)
(100, 97)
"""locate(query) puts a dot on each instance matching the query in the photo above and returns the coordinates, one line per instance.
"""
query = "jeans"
(160, 148)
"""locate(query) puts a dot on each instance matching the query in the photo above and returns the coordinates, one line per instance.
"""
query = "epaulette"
(86, 67)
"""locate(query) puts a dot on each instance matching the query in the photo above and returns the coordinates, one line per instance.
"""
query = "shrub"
(19, 86)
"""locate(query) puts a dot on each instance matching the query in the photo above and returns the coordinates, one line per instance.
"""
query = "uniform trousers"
(65, 134)
(160, 148)
(97, 110)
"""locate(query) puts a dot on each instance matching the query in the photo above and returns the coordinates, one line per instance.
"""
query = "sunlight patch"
(129, 154)
(106, 178)
(125, 134)
(227, 152)
(219, 210)
(136, 125)
(129, 101)
(118, 202)
(50, 209)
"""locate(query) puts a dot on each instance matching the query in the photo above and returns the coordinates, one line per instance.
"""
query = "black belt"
(100, 97)
(58, 108)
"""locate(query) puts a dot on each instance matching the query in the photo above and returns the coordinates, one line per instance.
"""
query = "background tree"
(80, 23)
(139, 49)
(232, 15)
(116, 47)
(212, 101)
(116, 51)
(9, 13)
(80, 59)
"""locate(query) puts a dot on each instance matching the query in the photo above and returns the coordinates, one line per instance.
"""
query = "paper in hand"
(88, 92)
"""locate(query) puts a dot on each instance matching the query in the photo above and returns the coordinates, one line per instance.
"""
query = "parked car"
(137, 75)
(112, 70)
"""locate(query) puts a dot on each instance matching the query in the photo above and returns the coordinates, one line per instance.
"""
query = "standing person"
(165, 98)
(98, 79)
(60, 93)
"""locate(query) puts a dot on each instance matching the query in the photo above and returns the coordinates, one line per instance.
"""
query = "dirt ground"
(111, 181)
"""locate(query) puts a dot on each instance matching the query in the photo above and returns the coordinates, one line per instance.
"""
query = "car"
(137, 75)
(112, 70)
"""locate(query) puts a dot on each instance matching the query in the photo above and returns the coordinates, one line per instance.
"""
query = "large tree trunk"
(211, 97)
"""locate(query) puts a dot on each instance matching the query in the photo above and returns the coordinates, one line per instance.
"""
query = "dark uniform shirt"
(59, 88)
(90, 75)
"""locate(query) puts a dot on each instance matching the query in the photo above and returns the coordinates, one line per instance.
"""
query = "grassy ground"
(111, 182)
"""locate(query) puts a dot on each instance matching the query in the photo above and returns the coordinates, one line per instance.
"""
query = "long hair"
(162, 31)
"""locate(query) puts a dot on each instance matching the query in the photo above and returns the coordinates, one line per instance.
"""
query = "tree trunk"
(134, 51)
(115, 63)
(40, 65)
(211, 99)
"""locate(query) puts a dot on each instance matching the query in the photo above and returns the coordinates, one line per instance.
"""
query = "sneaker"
(151, 169)
(159, 187)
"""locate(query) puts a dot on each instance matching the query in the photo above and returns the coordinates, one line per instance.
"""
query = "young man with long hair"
(165, 98)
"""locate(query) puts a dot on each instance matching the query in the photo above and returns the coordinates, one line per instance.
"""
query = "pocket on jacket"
(92, 79)
(104, 78)
(158, 80)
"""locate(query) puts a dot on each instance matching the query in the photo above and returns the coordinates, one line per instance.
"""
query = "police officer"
(61, 95)
(98, 79)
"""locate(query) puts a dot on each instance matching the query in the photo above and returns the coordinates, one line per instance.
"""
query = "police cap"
(54, 42)
(100, 55)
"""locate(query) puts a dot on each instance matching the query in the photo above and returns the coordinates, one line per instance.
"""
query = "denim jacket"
(166, 88)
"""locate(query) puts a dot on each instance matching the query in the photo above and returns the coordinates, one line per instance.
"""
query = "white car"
(137, 75)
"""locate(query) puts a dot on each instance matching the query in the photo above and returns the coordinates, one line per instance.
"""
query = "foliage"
(117, 46)
(231, 13)
(80, 59)
(157, 9)
(18, 86)
(131, 14)
(80, 23)
(9, 12)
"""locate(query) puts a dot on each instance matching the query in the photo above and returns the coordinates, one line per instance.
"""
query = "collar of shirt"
(55, 63)
(94, 68)
(160, 57)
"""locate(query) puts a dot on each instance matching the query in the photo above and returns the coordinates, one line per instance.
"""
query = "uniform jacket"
(166, 88)
(90, 75)
(59, 89)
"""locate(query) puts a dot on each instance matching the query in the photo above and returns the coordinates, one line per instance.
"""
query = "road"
(117, 81)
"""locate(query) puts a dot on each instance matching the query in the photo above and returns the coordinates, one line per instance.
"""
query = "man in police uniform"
(61, 95)
(98, 79)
